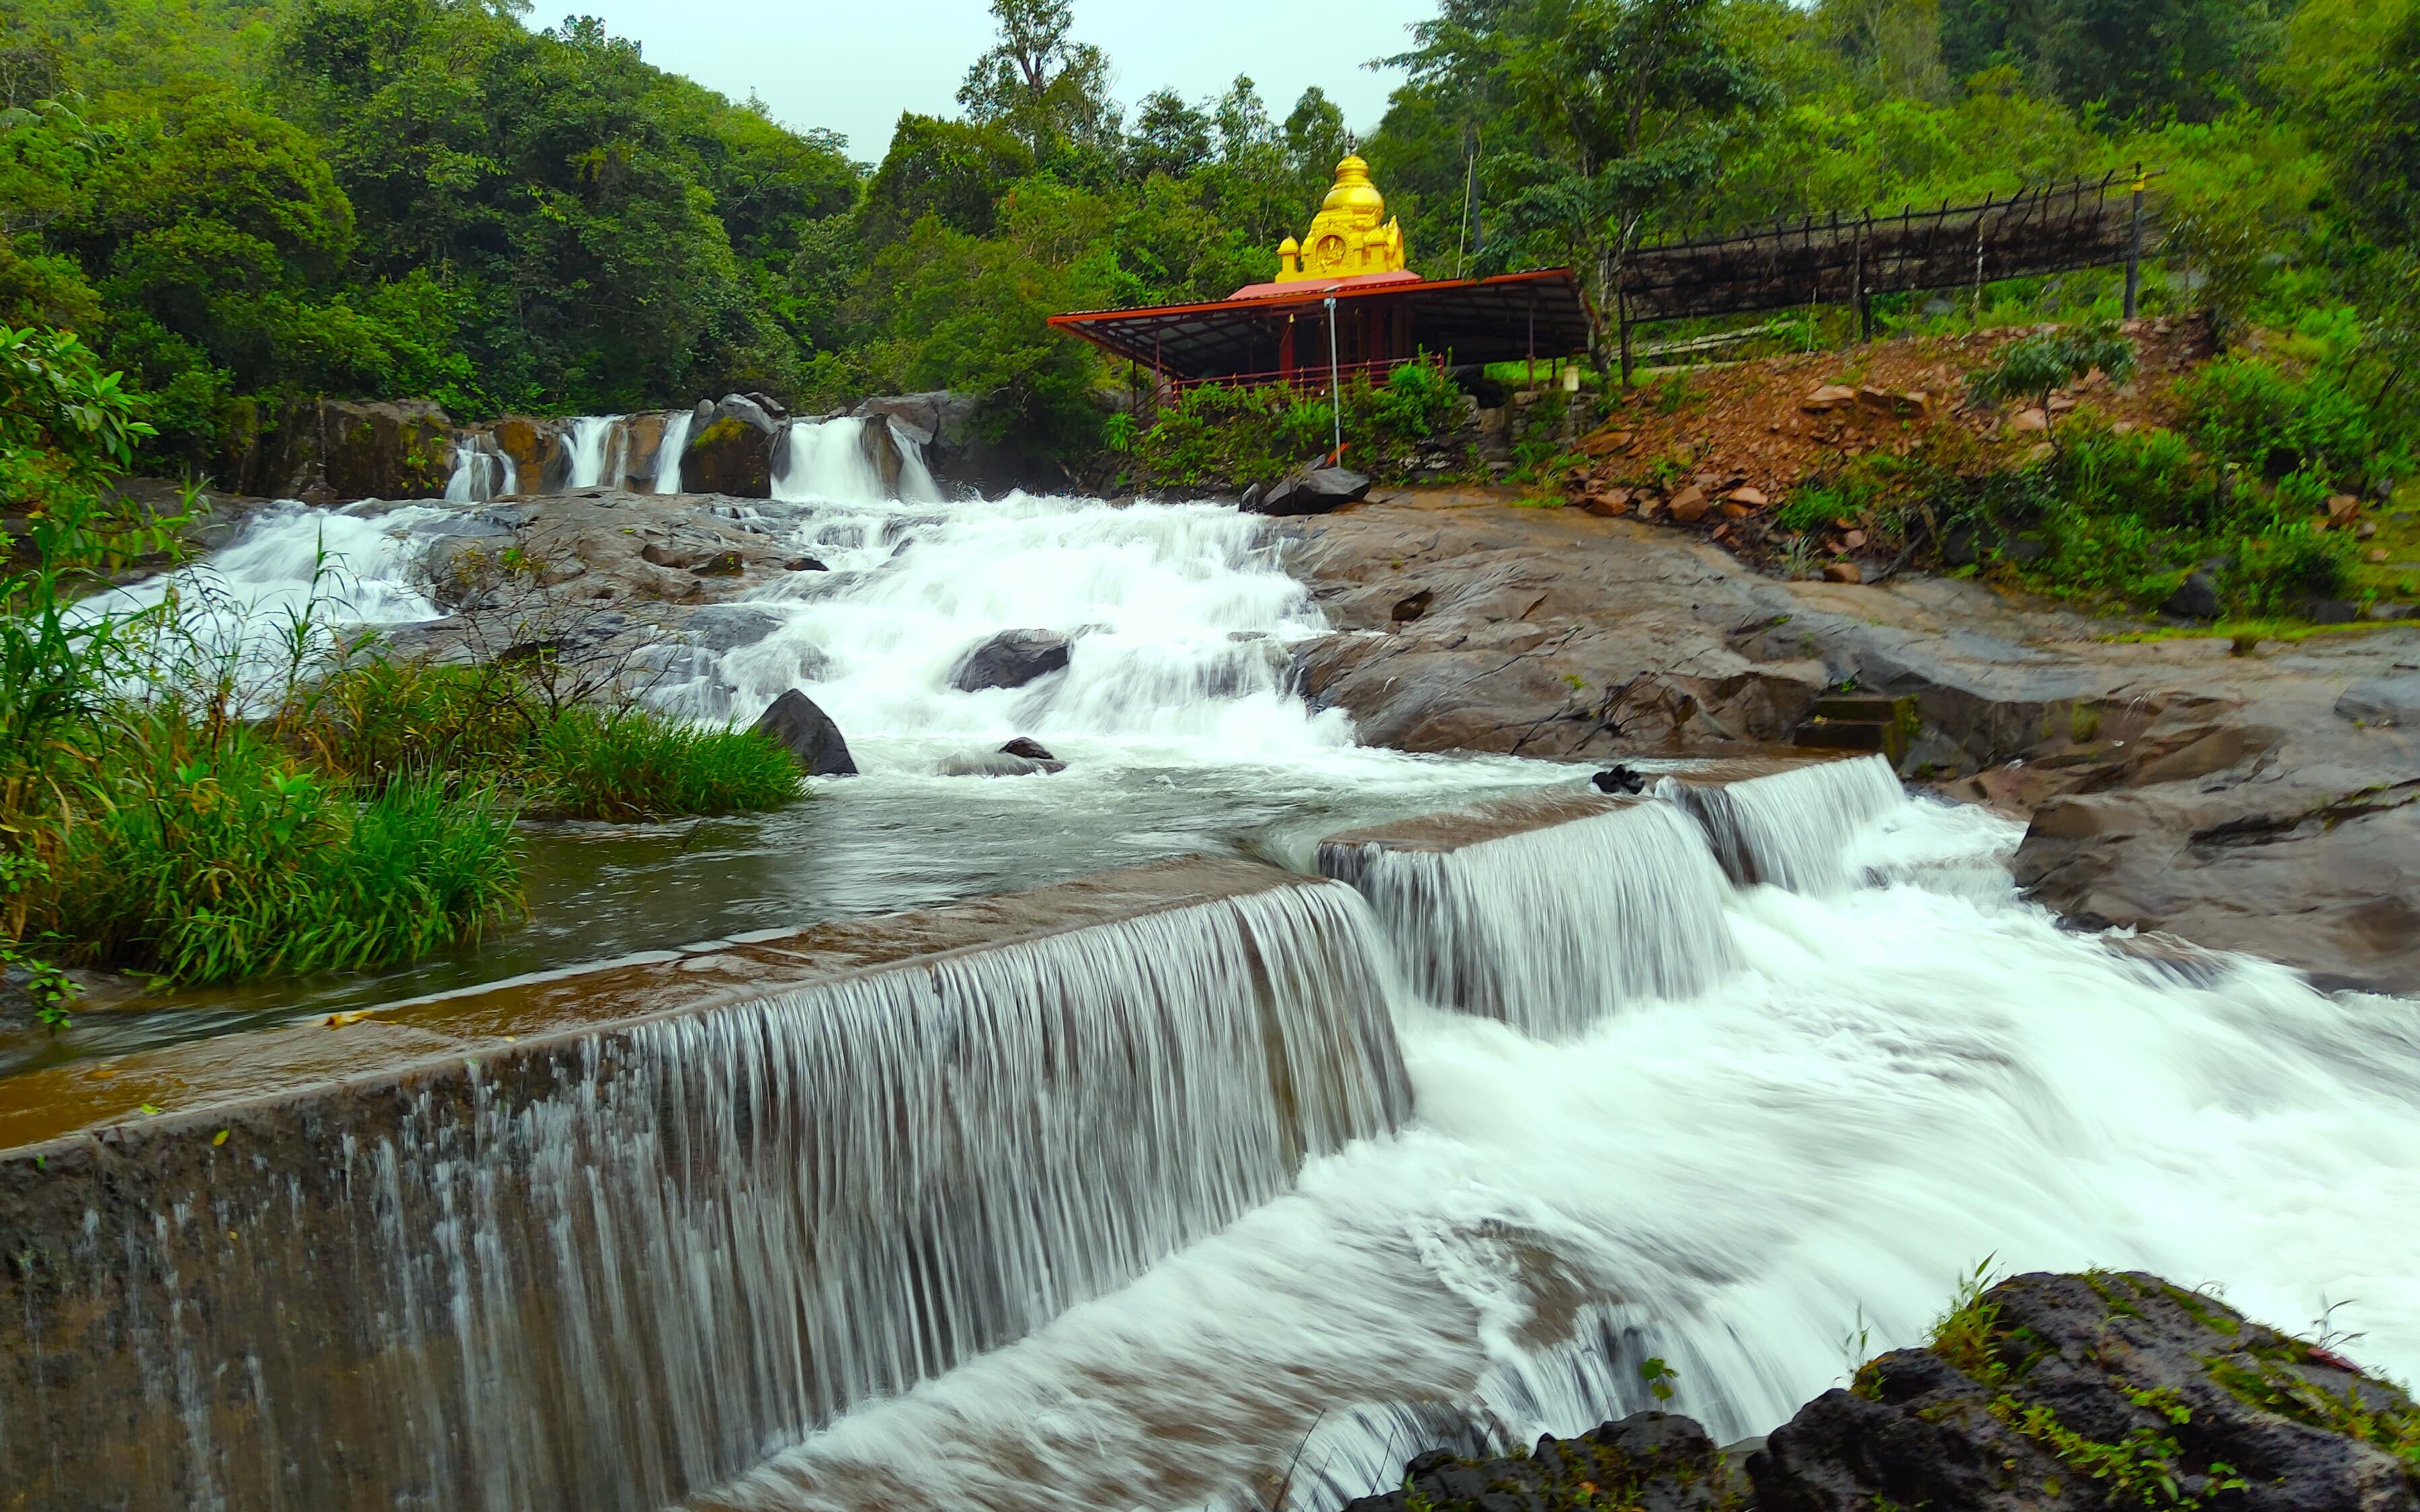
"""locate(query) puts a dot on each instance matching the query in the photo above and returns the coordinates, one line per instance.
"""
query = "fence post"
(2134, 249)
(1858, 300)
(1621, 313)
(1335, 392)
(1982, 216)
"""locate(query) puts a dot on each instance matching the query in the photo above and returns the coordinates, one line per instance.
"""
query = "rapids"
(1747, 1078)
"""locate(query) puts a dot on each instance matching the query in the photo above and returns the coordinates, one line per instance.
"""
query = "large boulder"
(330, 450)
(742, 408)
(643, 452)
(879, 440)
(1310, 489)
(733, 455)
(2071, 1390)
(958, 451)
(2388, 701)
(919, 417)
(1011, 659)
(996, 763)
(809, 734)
(541, 458)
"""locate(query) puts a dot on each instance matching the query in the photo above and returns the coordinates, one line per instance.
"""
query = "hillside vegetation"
(243, 204)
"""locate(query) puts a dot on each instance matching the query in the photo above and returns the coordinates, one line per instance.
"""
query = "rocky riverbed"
(2256, 797)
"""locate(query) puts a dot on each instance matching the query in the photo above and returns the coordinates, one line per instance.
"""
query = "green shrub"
(2242, 411)
(1218, 436)
(378, 722)
(211, 865)
(2275, 574)
(632, 764)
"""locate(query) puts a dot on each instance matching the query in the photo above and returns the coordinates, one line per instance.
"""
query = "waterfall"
(834, 462)
(598, 444)
(826, 459)
(915, 484)
(1179, 618)
(482, 469)
(608, 1269)
(1898, 1080)
(1551, 929)
(1789, 829)
(668, 455)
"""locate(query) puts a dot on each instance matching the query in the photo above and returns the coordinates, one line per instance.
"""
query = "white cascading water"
(1900, 1081)
(668, 455)
(292, 566)
(1551, 929)
(1787, 831)
(482, 470)
(599, 447)
(638, 1264)
(826, 461)
(1180, 615)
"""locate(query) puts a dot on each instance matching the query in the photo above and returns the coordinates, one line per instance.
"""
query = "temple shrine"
(1344, 300)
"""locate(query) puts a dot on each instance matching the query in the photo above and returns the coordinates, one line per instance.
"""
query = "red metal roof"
(1504, 318)
(1324, 286)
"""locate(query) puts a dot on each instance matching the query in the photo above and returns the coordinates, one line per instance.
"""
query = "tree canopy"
(245, 203)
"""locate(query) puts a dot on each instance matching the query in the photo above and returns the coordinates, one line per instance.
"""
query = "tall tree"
(1630, 102)
(1171, 136)
(1041, 84)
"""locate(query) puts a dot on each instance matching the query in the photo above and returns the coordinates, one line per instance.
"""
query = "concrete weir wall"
(1550, 911)
(607, 1238)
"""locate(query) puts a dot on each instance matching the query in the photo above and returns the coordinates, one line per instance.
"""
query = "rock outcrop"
(541, 458)
(2092, 1392)
(2098, 1390)
(1011, 659)
(1649, 1461)
(332, 449)
(1310, 489)
(957, 452)
(807, 733)
(2224, 797)
(732, 452)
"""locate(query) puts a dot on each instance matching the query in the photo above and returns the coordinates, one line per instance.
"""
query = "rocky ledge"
(2075, 1392)
(2258, 797)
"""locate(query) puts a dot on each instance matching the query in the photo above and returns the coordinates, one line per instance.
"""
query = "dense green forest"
(240, 204)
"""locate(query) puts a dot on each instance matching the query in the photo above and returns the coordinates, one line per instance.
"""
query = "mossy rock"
(730, 456)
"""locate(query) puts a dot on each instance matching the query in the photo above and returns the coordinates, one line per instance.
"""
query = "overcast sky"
(854, 65)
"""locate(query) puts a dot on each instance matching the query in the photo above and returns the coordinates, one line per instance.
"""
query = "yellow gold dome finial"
(1353, 191)
(1346, 236)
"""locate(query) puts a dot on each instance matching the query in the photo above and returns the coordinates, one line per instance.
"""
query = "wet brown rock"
(1842, 572)
(729, 457)
(1690, 504)
(341, 449)
(540, 460)
(1829, 398)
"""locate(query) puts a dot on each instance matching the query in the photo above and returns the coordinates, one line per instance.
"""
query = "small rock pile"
(2083, 1393)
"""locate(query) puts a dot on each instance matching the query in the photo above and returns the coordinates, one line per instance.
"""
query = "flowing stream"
(1276, 1191)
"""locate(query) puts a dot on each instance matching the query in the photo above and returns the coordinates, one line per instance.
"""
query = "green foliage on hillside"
(244, 204)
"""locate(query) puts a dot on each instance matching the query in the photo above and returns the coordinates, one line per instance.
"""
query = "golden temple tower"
(1347, 239)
